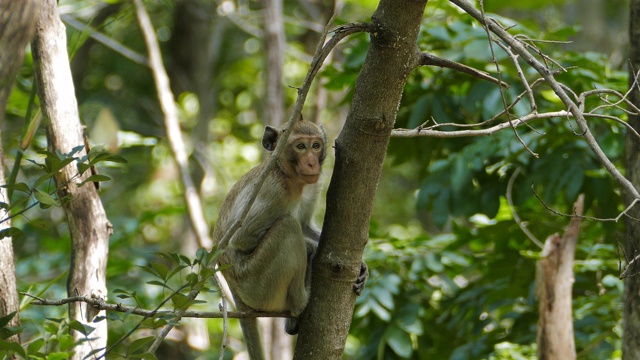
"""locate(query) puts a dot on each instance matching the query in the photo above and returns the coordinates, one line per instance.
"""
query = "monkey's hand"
(362, 279)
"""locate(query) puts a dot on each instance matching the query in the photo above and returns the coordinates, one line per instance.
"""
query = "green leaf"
(158, 283)
(192, 279)
(116, 159)
(58, 356)
(96, 151)
(150, 270)
(399, 341)
(43, 178)
(35, 346)
(138, 343)
(95, 178)
(179, 300)
(60, 164)
(8, 331)
(175, 271)
(41, 166)
(6, 319)
(113, 316)
(13, 347)
(381, 312)
(17, 203)
(383, 296)
(75, 150)
(19, 187)
(82, 328)
(12, 232)
(161, 269)
(45, 198)
(82, 167)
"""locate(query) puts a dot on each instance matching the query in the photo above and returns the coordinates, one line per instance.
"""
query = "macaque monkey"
(270, 255)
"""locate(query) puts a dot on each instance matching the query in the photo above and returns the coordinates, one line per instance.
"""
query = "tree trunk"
(360, 150)
(631, 312)
(17, 24)
(274, 44)
(88, 224)
(554, 279)
(277, 344)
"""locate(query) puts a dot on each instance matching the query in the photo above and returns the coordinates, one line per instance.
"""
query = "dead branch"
(100, 304)
(516, 218)
(521, 49)
(427, 59)
(554, 278)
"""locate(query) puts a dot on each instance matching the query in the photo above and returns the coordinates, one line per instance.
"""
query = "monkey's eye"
(300, 146)
(316, 145)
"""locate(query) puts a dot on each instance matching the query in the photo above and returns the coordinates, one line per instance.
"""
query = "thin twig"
(427, 59)
(499, 72)
(615, 219)
(557, 88)
(155, 313)
(523, 79)
(173, 131)
(404, 133)
(126, 52)
(512, 207)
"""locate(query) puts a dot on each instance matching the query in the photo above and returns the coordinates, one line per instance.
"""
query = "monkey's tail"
(252, 338)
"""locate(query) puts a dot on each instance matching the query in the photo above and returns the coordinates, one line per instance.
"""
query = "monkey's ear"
(270, 138)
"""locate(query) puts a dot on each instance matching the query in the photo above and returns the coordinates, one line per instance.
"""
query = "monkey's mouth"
(310, 178)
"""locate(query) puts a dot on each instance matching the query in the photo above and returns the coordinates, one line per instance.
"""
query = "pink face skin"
(308, 150)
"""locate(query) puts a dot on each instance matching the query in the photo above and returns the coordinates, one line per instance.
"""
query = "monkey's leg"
(272, 277)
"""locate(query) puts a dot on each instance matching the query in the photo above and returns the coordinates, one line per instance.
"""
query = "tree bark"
(554, 279)
(88, 224)
(274, 43)
(17, 24)
(360, 150)
(277, 344)
(631, 312)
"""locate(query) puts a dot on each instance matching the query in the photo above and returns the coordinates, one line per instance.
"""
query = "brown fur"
(270, 254)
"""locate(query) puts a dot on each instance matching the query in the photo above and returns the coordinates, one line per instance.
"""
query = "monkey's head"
(304, 151)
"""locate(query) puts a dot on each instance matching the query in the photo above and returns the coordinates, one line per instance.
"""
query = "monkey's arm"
(263, 213)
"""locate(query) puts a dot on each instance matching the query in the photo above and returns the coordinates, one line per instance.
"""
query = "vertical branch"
(88, 224)
(554, 279)
(360, 151)
(277, 344)
(274, 42)
(631, 315)
(172, 125)
(17, 24)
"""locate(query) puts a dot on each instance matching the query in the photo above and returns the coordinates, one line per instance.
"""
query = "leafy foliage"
(174, 274)
(451, 272)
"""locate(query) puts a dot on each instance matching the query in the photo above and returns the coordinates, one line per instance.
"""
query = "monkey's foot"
(362, 279)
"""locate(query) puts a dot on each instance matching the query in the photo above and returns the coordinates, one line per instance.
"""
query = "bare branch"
(405, 133)
(100, 304)
(502, 95)
(615, 219)
(105, 40)
(427, 59)
(521, 224)
(521, 49)
(523, 79)
(173, 131)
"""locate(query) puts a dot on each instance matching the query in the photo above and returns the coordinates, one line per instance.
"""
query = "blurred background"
(452, 274)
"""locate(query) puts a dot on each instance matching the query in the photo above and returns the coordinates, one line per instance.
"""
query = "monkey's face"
(307, 157)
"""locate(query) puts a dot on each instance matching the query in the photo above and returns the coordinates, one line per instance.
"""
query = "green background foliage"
(451, 273)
